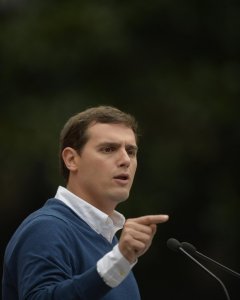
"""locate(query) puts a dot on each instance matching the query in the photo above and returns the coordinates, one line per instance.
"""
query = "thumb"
(154, 228)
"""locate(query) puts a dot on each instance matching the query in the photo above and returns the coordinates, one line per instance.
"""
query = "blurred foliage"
(175, 66)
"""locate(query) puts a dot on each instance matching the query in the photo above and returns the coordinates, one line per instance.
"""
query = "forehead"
(119, 133)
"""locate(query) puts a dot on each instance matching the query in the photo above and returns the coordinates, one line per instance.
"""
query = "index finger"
(151, 219)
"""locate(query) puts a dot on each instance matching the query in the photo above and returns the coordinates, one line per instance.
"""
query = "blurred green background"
(175, 66)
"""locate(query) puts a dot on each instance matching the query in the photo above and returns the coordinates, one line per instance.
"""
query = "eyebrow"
(133, 147)
(113, 144)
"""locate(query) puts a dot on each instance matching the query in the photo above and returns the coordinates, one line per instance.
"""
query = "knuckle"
(148, 219)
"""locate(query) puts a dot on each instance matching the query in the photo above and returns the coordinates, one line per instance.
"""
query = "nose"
(124, 159)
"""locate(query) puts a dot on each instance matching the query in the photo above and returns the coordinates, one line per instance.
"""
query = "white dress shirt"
(112, 267)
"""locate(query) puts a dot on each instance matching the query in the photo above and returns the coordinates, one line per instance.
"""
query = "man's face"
(107, 165)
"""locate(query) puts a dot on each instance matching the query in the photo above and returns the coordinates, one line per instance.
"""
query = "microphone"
(192, 250)
(175, 245)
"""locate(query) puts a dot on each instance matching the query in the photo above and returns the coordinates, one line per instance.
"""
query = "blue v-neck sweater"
(53, 255)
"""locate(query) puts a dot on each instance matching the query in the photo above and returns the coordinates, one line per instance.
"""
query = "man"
(68, 249)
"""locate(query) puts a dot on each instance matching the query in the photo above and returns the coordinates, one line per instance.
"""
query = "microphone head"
(188, 247)
(173, 244)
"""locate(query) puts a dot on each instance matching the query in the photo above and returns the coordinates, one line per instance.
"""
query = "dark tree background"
(175, 66)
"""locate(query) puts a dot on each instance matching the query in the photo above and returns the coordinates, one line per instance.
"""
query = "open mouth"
(122, 177)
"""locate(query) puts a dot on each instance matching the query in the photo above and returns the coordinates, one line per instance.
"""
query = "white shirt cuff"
(114, 267)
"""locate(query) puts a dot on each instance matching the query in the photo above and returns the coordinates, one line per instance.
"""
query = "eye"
(132, 152)
(107, 149)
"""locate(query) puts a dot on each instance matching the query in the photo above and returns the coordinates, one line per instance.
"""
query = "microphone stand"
(205, 269)
(192, 250)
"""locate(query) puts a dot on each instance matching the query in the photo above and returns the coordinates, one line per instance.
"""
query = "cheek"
(98, 170)
(134, 167)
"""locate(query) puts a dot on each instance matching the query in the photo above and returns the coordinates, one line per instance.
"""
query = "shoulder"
(53, 211)
(49, 222)
(48, 230)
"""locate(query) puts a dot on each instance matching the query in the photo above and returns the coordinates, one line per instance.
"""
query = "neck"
(106, 208)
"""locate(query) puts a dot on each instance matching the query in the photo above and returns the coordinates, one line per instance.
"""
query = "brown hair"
(74, 132)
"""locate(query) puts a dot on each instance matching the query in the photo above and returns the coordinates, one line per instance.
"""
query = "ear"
(70, 158)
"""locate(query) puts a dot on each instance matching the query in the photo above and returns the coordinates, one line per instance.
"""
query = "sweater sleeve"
(44, 265)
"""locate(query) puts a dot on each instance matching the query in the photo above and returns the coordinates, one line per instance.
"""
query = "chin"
(119, 196)
(123, 197)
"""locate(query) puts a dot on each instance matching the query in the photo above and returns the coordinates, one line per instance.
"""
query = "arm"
(45, 265)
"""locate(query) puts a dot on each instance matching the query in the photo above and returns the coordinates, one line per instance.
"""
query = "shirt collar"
(99, 221)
